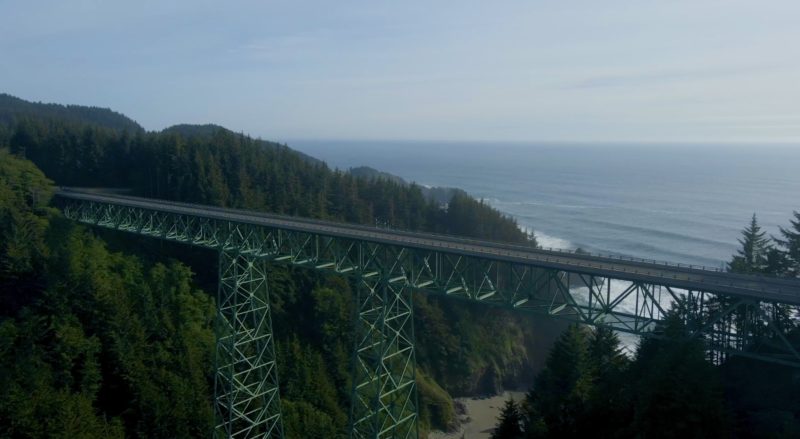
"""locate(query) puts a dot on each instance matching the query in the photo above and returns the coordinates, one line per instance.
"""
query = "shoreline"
(479, 417)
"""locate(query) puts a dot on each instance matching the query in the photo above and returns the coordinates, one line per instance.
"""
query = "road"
(774, 289)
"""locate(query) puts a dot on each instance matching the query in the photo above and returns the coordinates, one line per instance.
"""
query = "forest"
(669, 388)
(109, 335)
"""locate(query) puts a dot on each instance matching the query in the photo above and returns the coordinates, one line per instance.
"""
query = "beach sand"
(482, 415)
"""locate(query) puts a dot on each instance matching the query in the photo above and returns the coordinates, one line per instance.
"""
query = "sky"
(581, 70)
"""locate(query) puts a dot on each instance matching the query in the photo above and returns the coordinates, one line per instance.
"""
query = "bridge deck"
(781, 290)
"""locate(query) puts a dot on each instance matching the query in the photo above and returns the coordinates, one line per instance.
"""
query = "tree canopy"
(148, 359)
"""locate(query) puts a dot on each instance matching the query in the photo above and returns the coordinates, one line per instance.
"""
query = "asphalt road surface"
(781, 290)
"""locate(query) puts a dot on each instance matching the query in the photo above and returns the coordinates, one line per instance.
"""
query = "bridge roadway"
(772, 289)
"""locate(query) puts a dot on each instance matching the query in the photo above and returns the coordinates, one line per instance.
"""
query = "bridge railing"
(577, 253)
(573, 253)
(460, 270)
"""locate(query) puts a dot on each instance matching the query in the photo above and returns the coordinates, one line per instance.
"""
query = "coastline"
(479, 417)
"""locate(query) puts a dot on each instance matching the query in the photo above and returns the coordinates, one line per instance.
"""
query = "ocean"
(680, 203)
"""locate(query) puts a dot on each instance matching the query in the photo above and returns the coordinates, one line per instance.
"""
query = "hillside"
(436, 194)
(463, 348)
(374, 174)
(13, 109)
(210, 129)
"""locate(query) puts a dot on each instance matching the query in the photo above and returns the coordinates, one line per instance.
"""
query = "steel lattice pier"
(733, 314)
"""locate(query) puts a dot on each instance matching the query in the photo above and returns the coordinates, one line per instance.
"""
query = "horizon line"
(554, 142)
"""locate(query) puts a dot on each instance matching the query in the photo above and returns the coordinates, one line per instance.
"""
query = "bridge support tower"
(246, 397)
(384, 396)
(734, 314)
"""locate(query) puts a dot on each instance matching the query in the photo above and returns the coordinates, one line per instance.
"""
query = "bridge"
(734, 314)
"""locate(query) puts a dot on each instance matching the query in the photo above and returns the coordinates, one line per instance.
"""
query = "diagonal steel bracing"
(734, 315)
(384, 380)
(616, 299)
(246, 400)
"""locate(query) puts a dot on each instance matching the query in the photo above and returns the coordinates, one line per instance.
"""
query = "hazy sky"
(491, 70)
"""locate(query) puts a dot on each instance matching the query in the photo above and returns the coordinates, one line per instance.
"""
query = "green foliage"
(790, 244)
(102, 346)
(304, 378)
(509, 423)
(14, 109)
(753, 256)
(154, 327)
(302, 420)
(607, 408)
(469, 217)
(218, 167)
(763, 397)
(562, 390)
(95, 343)
(436, 405)
(49, 375)
(669, 390)
(761, 255)
(469, 359)
(676, 392)
(24, 195)
(148, 356)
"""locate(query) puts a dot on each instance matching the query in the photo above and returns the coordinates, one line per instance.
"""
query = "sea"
(683, 203)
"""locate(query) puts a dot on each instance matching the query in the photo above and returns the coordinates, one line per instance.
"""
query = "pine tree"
(607, 410)
(676, 392)
(605, 351)
(752, 257)
(777, 262)
(790, 245)
(509, 424)
(561, 391)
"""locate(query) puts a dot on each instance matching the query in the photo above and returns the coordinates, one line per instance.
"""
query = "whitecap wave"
(547, 241)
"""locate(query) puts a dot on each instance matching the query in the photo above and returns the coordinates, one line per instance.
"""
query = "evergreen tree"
(676, 392)
(608, 405)
(509, 424)
(216, 166)
(752, 256)
(790, 245)
(93, 343)
(605, 352)
(777, 262)
(563, 388)
(24, 218)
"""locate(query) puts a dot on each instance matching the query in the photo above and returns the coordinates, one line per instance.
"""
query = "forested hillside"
(234, 170)
(13, 109)
(129, 336)
(669, 388)
(93, 343)
(438, 194)
(208, 130)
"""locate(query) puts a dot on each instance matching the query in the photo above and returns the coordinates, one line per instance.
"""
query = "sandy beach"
(480, 417)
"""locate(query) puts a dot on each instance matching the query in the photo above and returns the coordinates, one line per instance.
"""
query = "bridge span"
(735, 314)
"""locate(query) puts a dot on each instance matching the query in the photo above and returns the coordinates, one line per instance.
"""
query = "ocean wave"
(547, 241)
(643, 243)
(649, 251)
(684, 213)
(649, 231)
(627, 305)
(497, 203)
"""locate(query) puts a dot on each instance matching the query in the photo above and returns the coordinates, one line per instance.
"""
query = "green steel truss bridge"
(734, 314)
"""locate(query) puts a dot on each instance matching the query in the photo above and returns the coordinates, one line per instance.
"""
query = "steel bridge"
(734, 314)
